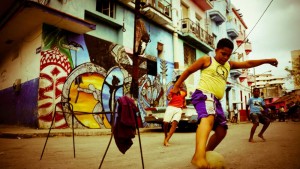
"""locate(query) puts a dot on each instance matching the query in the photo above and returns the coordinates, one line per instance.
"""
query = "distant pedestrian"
(235, 115)
(281, 114)
(173, 112)
(294, 111)
(257, 114)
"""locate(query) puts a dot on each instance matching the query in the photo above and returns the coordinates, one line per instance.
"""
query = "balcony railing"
(162, 6)
(190, 27)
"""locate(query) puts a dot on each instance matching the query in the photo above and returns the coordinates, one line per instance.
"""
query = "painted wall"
(162, 36)
(21, 61)
(19, 107)
(18, 102)
(92, 74)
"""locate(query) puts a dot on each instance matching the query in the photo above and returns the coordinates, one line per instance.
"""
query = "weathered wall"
(19, 81)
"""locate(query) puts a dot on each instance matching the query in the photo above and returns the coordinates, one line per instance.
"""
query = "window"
(184, 10)
(199, 20)
(189, 55)
(107, 7)
(189, 58)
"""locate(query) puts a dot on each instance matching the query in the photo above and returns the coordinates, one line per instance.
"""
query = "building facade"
(82, 52)
(295, 72)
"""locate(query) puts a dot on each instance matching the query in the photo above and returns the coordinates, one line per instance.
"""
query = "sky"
(275, 35)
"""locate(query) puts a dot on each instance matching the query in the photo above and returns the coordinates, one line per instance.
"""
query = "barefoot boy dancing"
(211, 88)
(257, 110)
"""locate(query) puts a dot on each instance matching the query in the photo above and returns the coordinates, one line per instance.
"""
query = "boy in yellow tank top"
(211, 88)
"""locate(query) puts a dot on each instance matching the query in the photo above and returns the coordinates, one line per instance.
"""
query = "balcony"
(232, 30)
(158, 11)
(243, 76)
(235, 73)
(204, 4)
(196, 35)
(217, 14)
(240, 39)
(248, 47)
(250, 80)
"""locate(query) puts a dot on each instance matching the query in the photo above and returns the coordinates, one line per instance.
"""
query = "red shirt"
(177, 99)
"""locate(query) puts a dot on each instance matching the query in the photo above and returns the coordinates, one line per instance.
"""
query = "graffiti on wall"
(90, 74)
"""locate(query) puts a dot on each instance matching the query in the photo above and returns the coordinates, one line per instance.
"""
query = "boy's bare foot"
(200, 163)
(262, 137)
(251, 140)
(166, 143)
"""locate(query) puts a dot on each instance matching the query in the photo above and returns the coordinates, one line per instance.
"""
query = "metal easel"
(69, 107)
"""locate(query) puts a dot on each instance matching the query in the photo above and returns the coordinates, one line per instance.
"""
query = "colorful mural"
(91, 74)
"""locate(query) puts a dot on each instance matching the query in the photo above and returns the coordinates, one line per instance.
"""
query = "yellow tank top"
(213, 78)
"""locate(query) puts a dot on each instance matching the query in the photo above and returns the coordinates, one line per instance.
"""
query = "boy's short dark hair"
(225, 43)
(255, 88)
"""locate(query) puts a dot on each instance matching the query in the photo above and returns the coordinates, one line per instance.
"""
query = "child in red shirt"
(173, 112)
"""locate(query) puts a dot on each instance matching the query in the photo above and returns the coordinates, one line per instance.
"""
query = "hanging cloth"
(125, 127)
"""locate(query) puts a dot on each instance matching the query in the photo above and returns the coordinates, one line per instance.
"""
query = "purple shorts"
(207, 104)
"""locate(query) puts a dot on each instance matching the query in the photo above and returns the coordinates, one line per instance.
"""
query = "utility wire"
(255, 24)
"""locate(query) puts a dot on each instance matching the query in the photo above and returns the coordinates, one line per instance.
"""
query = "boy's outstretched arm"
(197, 65)
(253, 63)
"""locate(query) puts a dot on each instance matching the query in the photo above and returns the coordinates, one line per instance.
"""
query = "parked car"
(189, 117)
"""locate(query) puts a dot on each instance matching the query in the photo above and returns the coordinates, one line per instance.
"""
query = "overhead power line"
(255, 24)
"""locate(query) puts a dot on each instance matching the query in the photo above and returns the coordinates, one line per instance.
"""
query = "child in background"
(173, 111)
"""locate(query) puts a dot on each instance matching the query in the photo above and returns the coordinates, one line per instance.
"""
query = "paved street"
(280, 151)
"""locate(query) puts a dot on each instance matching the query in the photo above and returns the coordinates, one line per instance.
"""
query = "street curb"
(21, 133)
(52, 134)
